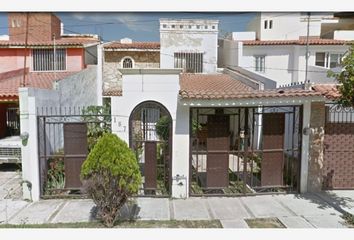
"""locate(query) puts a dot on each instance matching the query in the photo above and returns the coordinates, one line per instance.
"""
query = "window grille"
(127, 63)
(190, 62)
(259, 63)
(43, 59)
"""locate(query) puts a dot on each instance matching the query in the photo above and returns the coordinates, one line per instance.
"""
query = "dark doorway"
(150, 134)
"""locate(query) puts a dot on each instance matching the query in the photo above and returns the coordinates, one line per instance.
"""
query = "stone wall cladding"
(317, 123)
(112, 80)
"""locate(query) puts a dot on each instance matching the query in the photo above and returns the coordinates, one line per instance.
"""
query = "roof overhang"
(162, 71)
(251, 102)
(130, 50)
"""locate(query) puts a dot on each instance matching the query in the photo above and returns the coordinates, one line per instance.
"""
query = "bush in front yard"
(110, 175)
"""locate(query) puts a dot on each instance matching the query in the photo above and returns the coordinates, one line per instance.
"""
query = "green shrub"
(163, 127)
(98, 119)
(110, 175)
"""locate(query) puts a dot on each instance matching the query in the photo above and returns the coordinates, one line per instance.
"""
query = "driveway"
(294, 211)
(10, 181)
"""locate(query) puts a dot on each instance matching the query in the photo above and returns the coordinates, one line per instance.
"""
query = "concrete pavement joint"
(171, 209)
(209, 209)
(248, 210)
(20, 210)
(339, 209)
(57, 210)
(285, 206)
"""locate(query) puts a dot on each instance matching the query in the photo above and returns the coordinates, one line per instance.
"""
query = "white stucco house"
(195, 129)
(220, 124)
(275, 44)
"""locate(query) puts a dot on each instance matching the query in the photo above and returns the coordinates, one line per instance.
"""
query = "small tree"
(98, 120)
(346, 79)
(111, 175)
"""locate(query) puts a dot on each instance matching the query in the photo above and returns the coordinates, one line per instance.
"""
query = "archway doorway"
(150, 137)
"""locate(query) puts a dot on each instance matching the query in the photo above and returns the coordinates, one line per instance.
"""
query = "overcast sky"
(138, 26)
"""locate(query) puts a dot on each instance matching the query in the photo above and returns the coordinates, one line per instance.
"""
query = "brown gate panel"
(150, 171)
(338, 156)
(218, 145)
(75, 151)
(273, 144)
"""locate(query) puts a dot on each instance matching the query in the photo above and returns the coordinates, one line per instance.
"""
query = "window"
(127, 63)
(164, 26)
(173, 26)
(335, 60)
(213, 27)
(43, 59)
(180, 26)
(259, 63)
(320, 59)
(328, 60)
(198, 26)
(190, 26)
(190, 62)
(270, 24)
(265, 24)
(16, 23)
(206, 26)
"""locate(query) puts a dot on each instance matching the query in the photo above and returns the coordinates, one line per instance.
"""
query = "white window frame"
(262, 68)
(127, 57)
(327, 60)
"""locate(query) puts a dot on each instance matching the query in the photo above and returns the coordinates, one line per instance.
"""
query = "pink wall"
(13, 59)
(74, 59)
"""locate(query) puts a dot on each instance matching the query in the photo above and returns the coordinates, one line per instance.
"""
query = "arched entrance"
(150, 137)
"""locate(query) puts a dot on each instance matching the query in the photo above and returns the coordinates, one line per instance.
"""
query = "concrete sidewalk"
(294, 211)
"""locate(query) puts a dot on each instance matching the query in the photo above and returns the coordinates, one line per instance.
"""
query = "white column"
(305, 147)
(30, 162)
(99, 74)
(180, 156)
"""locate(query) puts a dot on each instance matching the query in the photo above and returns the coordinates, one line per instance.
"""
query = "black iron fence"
(238, 151)
(65, 137)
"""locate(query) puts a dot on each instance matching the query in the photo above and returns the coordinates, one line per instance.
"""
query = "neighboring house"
(189, 44)
(126, 54)
(45, 39)
(274, 46)
(37, 54)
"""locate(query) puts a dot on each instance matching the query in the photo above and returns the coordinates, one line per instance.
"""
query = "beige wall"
(317, 122)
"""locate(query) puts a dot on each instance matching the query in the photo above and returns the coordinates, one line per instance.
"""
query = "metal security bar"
(240, 151)
(190, 62)
(43, 59)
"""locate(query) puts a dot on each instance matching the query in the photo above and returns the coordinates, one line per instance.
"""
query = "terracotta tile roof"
(314, 41)
(9, 87)
(66, 41)
(133, 45)
(112, 92)
(330, 91)
(222, 86)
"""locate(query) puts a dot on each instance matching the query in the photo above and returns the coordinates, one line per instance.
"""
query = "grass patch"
(349, 219)
(126, 224)
(264, 223)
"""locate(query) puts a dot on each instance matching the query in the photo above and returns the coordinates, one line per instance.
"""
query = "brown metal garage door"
(75, 150)
(218, 145)
(273, 153)
(339, 156)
